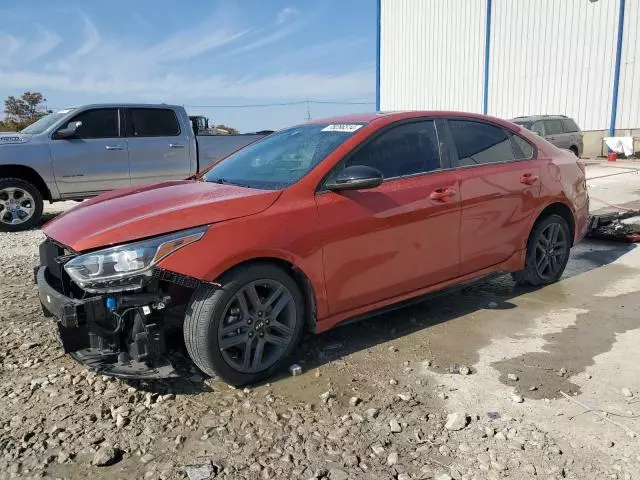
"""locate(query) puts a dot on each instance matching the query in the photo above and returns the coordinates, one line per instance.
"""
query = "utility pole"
(308, 111)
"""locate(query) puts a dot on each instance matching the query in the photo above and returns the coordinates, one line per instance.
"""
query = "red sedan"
(304, 229)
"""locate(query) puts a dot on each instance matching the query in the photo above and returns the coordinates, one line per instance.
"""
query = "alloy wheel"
(257, 326)
(16, 206)
(551, 249)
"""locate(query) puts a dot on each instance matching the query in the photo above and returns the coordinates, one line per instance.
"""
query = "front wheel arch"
(209, 307)
(302, 280)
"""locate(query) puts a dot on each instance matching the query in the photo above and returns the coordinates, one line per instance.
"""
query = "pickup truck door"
(159, 147)
(95, 159)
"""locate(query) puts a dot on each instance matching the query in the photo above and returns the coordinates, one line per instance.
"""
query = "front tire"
(547, 252)
(21, 205)
(246, 330)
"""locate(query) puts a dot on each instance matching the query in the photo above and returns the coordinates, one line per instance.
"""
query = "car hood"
(130, 214)
(9, 138)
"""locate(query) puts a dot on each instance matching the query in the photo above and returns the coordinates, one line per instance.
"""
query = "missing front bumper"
(130, 345)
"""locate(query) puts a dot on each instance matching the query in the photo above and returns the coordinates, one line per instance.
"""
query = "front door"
(499, 189)
(95, 159)
(399, 237)
(158, 148)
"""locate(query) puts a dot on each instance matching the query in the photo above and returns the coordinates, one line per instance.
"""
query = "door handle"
(114, 147)
(528, 178)
(176, 145)
(443, 194)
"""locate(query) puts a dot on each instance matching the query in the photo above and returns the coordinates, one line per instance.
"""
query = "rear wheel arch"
(27, 174)
(560, 209)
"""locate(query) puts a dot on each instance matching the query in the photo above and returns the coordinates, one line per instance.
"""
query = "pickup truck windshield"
(281, 159)
(45, 122)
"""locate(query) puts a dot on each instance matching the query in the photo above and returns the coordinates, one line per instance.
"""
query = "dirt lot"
(376, 399)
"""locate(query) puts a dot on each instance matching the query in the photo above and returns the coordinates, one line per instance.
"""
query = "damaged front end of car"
(115, 308)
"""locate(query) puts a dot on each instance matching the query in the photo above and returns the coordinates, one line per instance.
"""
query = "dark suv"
(560, 130)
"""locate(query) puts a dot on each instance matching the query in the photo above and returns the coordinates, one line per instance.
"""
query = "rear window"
(570, 126)
(153, 122)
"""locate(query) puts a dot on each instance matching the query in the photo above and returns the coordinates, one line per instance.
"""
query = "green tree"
(24, 110)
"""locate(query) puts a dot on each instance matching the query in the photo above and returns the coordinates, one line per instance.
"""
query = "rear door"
(499, 190)
(399, 237)
(554, 133)
(158, 148)
(95, 159)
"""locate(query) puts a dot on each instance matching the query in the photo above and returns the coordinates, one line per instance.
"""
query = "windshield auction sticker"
(342, 127)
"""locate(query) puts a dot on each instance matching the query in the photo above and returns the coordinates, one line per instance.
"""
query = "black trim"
(320, 189)
(422, 298)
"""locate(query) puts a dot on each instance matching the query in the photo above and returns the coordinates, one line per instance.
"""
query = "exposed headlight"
(126, 267)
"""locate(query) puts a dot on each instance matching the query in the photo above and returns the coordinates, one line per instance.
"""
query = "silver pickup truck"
(80, 152)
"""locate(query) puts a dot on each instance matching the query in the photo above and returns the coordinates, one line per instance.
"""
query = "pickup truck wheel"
(21, 205)
(245, 331)
(547, 252)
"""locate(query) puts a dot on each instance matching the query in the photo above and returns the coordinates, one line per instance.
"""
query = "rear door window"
(153, 122)
(479, 143)
(97, 123)
(403, 150)
(553, 127)
(570, 126)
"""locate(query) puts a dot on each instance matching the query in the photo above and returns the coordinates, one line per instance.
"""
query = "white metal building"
(514, 57)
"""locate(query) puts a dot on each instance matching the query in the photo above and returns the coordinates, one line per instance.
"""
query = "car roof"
(389, 117)
(533, 118)
(121, 105)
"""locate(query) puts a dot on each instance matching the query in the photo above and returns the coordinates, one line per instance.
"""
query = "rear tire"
(21, 205)
(574, 149)
(246, 330)
(547, 253)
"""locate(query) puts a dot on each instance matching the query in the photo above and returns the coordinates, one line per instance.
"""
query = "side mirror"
(356, 177)
(69, 131)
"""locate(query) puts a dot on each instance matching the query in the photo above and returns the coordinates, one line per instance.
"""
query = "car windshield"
(45, 122)
(281, 159)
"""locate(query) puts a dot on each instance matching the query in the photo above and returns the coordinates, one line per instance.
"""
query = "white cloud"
(287, 13)
(91, 39)
(158, 72)
(9, 45)
(46, 42)
(177, 87)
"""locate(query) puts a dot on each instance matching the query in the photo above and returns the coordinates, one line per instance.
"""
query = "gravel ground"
(370, 412)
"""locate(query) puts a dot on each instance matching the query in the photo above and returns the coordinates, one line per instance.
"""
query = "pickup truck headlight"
(129, 266)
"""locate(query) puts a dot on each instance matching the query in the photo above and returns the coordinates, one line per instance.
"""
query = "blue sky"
(195, 53)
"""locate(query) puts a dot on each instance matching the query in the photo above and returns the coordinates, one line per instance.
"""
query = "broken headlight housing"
(129, 266)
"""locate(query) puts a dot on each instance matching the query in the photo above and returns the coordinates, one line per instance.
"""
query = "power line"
(283, 104)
